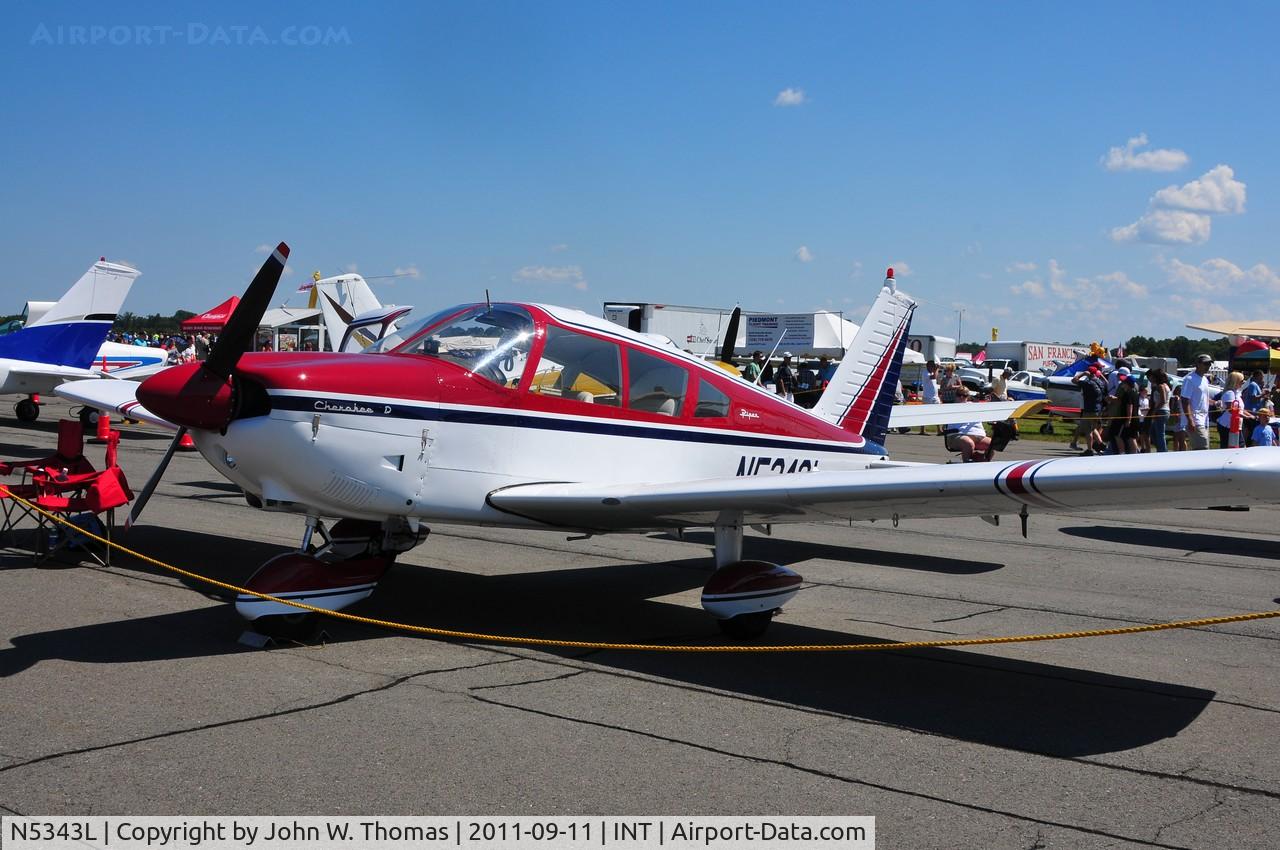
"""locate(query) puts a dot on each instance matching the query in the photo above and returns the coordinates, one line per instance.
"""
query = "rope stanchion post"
(551, 643)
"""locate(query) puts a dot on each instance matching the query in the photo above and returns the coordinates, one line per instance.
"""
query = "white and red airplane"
(532, 416)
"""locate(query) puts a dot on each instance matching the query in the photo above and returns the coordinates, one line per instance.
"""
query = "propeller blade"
(730, 336)
(150, 487)
(239, 331)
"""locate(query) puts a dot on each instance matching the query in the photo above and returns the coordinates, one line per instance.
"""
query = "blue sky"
(777, 156)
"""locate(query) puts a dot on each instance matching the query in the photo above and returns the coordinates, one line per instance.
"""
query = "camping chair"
(77, 497)
(69, 458)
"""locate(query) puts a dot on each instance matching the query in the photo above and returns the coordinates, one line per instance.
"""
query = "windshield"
(492, 341)
(392, 341)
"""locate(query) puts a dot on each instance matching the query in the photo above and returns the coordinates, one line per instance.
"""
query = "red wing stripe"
(1017, 488)
(865, 400)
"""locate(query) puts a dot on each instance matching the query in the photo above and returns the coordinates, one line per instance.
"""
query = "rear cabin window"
(656, 385)
(579, 368)
(712, 403)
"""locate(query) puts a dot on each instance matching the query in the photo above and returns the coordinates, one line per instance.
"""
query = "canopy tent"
(1252, 354)
(211, 320)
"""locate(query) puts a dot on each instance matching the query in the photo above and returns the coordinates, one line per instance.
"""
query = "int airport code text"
(774, 832)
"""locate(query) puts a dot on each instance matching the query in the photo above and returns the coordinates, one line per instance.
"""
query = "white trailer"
(1033, 356)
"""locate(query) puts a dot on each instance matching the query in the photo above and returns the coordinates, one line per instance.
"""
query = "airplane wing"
(117, 396)
(888, 490)
(916, 415)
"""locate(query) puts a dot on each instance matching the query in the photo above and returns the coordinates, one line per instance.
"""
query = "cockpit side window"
(579, 368)
(656, 385)
(712, 403)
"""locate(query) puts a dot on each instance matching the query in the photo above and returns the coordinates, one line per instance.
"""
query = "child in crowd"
(1262, 433)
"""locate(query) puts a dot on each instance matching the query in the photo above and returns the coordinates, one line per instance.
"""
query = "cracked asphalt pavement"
(123, 690)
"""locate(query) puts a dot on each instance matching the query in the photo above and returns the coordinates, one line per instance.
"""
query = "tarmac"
(123, 690)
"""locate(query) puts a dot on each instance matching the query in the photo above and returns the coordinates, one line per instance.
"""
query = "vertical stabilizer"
(859, 397)
(342, 298)
(71, 330)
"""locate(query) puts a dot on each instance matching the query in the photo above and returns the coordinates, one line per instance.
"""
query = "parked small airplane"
(540, 417)
(60, 341)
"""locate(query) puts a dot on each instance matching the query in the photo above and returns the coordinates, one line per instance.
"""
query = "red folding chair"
(78, 498)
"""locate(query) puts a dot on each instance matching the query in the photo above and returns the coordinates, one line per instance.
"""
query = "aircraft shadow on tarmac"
(782, 551)
(1190, 542)
(965, 695)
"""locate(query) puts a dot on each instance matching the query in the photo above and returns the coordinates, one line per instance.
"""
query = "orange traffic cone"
(186, 444)
(104, 429)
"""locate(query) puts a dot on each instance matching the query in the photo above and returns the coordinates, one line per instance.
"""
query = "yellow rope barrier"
(645, 647)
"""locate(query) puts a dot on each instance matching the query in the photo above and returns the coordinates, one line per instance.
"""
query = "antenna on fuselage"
(487, 302)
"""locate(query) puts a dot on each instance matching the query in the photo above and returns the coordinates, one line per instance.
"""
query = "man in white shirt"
(1195, 402)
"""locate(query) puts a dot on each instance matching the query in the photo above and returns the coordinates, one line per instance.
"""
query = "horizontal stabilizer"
(919, 415)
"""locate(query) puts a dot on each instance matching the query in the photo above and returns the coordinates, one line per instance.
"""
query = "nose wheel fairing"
(341, 572)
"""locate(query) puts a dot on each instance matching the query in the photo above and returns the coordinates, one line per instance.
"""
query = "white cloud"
(1215, 191)
(351, 268)
(1034, 288)
(1220, 275)
(856, 269)
(571, 275)
(1166, 227)
(559, 247)
(1128, 158)
(804, 255)
(790, 97)
(410, 271)
(900, 269)
(1179, 215)
(264, 248)
(1123, 284)
(1021, 268)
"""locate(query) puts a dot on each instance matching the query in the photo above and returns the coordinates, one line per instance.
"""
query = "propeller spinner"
(203, 395)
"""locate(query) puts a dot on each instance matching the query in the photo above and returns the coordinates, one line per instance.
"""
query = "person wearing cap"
(1123, 429)
(1263, 435)
(1228, 400)
(784, 378)
(1093, 392)
(1195, 403)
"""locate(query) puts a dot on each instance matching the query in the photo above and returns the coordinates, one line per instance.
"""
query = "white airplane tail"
(70, 330)
(96, 297)
(341, 299)
(859, 397)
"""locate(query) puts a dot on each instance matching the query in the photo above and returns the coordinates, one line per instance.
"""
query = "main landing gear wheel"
(1046, 428)
(746, 626)
(27, 410)
(88, 417)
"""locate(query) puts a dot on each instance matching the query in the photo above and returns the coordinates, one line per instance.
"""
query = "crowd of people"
(184, 348)
(802, 384)
(1128, 412)
(1125, 413)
